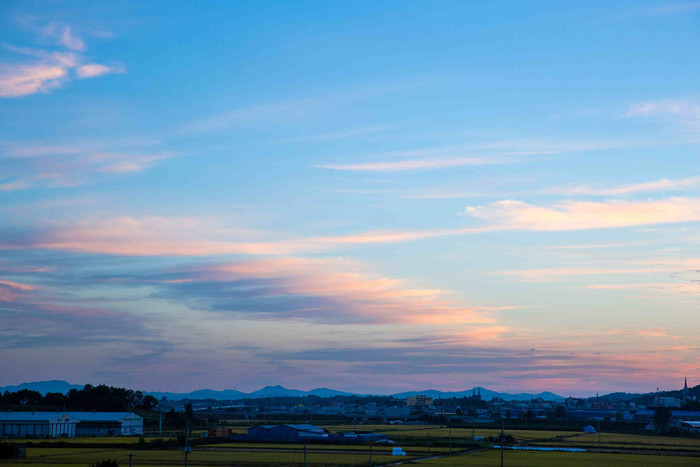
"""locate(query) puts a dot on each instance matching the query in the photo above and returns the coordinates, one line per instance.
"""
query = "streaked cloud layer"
(348, 199)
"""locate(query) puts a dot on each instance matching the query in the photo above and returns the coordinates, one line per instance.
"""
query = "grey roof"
(102, 416)
(304, 427)
(37, 417)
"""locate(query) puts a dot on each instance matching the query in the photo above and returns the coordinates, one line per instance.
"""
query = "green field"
(91, 440)
(351, 447)
(622, 440)
(629, 450)
(83, 457)
(440, 432)
(560, 459)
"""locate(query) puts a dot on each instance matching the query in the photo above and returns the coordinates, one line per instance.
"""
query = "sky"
(368, 196)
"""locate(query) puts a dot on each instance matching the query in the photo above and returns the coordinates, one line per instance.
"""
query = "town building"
(419, 401)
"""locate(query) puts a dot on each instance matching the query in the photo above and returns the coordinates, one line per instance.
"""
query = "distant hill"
(43, 387)
(485, 394)
(280, 391)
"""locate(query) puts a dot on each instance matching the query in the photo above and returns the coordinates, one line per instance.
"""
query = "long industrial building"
(37, 424)
(69, 424)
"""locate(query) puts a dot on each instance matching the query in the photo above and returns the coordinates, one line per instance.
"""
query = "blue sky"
(368, 196)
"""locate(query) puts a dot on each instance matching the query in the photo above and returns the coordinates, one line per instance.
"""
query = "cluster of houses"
(69, 424)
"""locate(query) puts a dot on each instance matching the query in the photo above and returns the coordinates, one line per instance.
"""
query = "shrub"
(106, 463)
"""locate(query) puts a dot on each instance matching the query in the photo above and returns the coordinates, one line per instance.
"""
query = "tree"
(560, 412)
(662, 417)
(148, 403)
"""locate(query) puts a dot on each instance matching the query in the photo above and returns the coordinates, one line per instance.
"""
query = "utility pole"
(503, 425)
(304, 453)
(370, 454)
(187, 440)
(450, 440)
(160, 424)
(428, 443)
(130, 455)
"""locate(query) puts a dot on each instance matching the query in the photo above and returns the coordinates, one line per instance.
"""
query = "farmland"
(431, 444)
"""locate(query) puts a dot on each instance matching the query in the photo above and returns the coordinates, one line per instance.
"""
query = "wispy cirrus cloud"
(550, 274)
(660, 185)
(39, 71)
(92, 70)
(645, 333)
(497, 152)
(416, 164)
(64, 35)
(667, 9)
(687, 289)
(585, 215)
(652, 186)
(38, 166)
(686, 111)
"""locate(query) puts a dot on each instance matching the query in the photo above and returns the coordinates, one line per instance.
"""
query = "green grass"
(413, 439)
(69, 457)
(334, 447)
(617, 439)
(90, 440)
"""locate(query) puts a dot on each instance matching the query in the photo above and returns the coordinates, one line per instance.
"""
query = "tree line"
(100, 398)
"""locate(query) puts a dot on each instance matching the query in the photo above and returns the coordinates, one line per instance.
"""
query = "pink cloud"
(92, 70)
(688, 289)
(546, 274)
(17, 285)
(49, 70)
(416, 164)
(362, 294)
(583, 215)
(22, 80)
(70, 40)
(69, 167)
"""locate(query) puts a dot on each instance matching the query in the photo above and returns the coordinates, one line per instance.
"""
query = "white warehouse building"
(108, 423)
(69, 424)
(39, 424)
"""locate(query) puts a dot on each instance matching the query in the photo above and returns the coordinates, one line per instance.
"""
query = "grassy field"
(622, 440)
(560, 459)
(332, 447)
(413, 439)
(91, 440)
(441, 432)
(82, 457)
